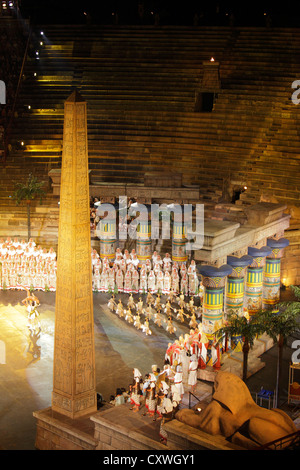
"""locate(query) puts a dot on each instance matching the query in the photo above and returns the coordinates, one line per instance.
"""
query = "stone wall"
(290, 265)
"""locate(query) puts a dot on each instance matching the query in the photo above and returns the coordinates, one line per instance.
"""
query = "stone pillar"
(74, 382)
(179, 241)
(234, 298)
(143, 241)
(254, 279)
(213, 280)
(271, 277)
(108, 239)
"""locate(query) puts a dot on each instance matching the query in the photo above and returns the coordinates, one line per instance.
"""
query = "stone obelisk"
(74, 383)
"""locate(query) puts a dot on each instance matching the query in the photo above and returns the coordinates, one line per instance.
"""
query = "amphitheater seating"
(140, 83)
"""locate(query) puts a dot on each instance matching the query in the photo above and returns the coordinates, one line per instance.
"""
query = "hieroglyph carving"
(74, 359)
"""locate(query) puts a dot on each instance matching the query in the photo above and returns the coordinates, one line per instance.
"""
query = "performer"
(127, 282)
(157, 304)
(152, 282)
(135, 281)
(163, 389)
(112, 304)
(157, 319)
(160, 282)
(143, 281)
(193, 322)
(168, 308)
(139, 306)
(170, 328)
(152, 400)
(180, 315)
(167, 283)
(137, 322)
(167, 415)
(178, 381)
(130, 302)
(128, 316)
(119, 280)
(120, 309)
(96, 280)
(150, 299)
(192, 379)
(181, 301)
(135, 397)
(145, 327)
(31, 302)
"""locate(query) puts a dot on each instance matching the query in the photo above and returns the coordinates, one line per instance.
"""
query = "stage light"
(41, 43)
(42, 33)
(29, 107)
(22, 143)
(34, 74)
(212, 59)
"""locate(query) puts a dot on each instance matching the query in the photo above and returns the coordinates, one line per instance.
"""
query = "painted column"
(108, 239)
(179, 241)
(143, 241)
(234, 298)
(254, 279)
(271, 277)
(213, 280)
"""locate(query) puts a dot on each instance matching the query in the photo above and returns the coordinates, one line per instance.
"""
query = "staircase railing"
(8, 127)
(286, 442)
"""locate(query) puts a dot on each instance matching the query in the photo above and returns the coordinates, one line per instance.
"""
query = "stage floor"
(26, 365)
(27, 374)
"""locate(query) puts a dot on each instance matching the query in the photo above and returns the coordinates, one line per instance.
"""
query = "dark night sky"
(285, 13)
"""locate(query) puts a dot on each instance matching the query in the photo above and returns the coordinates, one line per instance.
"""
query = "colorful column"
(108, 239)
(213, 280)
(179, 241)
(271, 277)
(254, 279)
(234, 298)
(143, 241)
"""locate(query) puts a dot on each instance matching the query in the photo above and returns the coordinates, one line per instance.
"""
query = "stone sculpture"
(233, 414)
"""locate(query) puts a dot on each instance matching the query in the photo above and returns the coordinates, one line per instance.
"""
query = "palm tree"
(27, 192)
(242, 326)
(279, 324)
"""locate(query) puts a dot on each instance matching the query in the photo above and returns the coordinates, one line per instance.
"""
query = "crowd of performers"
(158, 275)
(140, 315)
(26, 266)
(158, 394)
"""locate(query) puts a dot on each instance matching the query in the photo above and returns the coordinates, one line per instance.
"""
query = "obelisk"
(74, 383)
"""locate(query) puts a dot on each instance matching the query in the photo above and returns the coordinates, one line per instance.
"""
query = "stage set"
(158, 311)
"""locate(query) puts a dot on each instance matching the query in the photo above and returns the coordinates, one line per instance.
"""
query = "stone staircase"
(140, 83)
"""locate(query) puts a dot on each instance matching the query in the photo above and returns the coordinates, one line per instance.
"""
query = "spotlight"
(22, 143)
(34, 74)
(212, 59)
(29, 107)
(42, 33)
(245, 187)
(37, 52)
(41, 43)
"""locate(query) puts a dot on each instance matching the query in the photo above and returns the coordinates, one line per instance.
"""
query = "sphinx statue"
(232, 413)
